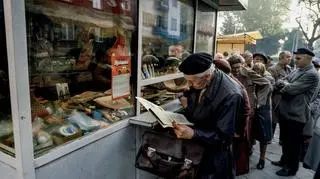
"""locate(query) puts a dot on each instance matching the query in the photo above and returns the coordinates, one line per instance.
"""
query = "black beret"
(265, 59)
(304, 51)
(196, 63)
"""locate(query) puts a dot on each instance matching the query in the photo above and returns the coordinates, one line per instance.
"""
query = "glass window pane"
(205, 28)
(6, 128)
(163, 93)
(79, 67)
(167, 35)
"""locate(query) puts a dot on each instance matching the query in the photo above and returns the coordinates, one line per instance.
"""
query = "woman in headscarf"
(262, 122)
(250, 79)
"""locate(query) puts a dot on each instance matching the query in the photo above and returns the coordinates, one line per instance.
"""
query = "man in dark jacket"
(297, 90)
(214, 104)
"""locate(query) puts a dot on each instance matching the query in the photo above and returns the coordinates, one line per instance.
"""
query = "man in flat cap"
(214, 103)
(297, 89)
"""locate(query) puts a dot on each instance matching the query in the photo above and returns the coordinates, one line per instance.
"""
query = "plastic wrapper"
(83, 121)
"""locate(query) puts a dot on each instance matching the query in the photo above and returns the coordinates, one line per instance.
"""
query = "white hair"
(202, 74)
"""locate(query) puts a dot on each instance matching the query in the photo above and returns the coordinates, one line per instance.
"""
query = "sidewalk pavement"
(273, 154)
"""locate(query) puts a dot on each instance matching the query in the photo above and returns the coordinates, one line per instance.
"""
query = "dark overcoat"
(214, 116)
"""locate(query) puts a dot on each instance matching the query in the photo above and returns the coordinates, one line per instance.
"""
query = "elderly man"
(297, 90)
(214, 103)
(278, 71)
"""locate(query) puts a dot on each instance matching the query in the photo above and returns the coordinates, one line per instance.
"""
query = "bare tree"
(311, 8)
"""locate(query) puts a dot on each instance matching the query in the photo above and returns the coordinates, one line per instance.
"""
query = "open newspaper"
(165, 118)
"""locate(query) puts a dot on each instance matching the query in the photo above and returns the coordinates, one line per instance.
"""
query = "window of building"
(174, 24)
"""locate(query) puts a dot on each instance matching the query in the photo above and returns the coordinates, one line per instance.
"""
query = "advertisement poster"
(121, 72)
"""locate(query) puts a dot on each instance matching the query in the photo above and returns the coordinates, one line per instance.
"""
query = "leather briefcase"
(166, 156)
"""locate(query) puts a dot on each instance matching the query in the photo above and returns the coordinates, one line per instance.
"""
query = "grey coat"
(315, 113)
(297, 89)
(312, 158)
(277, 71)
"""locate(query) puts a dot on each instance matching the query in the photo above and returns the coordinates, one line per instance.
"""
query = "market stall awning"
(241, 38)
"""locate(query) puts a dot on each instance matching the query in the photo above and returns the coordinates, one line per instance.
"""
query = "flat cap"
(304, 51)
(196, 63)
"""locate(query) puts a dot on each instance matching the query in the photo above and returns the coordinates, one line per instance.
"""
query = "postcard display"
(87, 63)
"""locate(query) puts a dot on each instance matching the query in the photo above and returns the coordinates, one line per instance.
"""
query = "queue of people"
(236, 100)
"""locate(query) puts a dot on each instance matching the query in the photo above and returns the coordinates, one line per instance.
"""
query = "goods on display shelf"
(71, 44)
(163, 92)
(57, 122)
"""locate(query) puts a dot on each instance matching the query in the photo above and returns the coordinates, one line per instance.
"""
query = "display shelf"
(159, 79)
(78, 143)
(148, 120)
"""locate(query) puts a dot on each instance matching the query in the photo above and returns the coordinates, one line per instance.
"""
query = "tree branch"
(315, 12)
(286, 7)
(315, 27)
(302, 29)
(316, 38)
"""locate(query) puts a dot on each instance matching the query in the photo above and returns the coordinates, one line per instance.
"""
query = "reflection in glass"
(167, 35)
(205, 28)
(164, 92)
(6, 128)
(78, 52)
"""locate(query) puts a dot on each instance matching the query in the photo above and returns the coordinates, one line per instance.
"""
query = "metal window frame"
(25, 163)
(213, 6)
(15, 25)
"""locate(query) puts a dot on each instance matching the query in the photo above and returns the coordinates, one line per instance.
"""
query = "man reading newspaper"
(214, 103)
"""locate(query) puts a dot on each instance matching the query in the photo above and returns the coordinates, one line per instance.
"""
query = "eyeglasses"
(196, 81)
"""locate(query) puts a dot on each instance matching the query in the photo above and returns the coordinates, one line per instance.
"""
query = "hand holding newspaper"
(165, 118)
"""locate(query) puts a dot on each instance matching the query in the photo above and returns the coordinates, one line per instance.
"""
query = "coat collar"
(309, 67)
